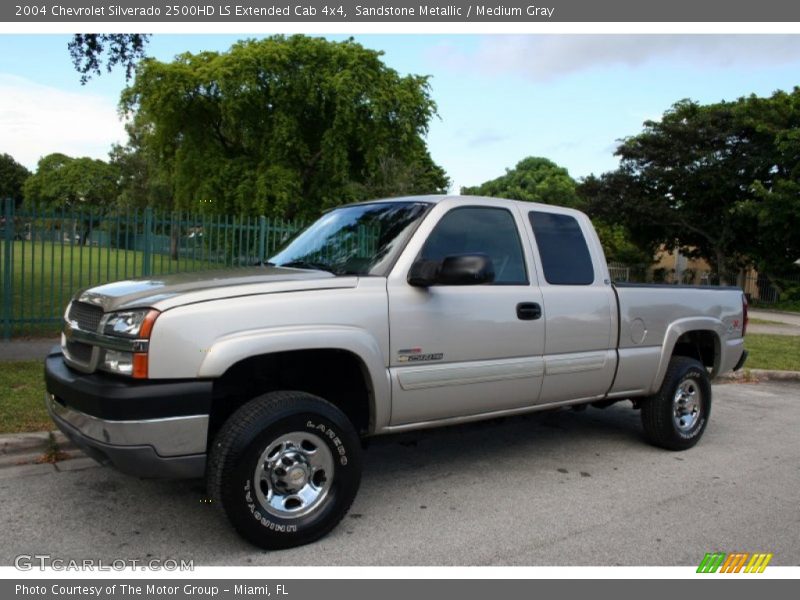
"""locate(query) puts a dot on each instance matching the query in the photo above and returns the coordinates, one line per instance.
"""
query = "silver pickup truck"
(380, 317)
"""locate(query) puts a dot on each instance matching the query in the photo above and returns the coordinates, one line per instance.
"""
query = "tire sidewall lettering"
(328, 432)
(695, 430)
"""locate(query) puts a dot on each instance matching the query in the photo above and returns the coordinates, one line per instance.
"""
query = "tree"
(87, 51)
(284, 126)
(773, 209)
(142, 182)
(624, 240)
(63, 181)
(618, 245)
(393, 177)
(12, 178)
(717, 180)
(534, 179)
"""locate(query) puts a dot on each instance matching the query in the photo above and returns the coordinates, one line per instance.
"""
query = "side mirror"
(424, 273)
(462, 269)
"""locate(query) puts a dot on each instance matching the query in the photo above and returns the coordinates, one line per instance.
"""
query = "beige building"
(672, 266)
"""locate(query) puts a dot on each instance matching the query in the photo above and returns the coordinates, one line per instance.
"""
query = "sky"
(566, 97)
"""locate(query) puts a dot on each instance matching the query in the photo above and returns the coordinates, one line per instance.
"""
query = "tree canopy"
(63, 181)
(283, 126)
(533, 179)
(12, 178)
(89, 51)
(718, 180)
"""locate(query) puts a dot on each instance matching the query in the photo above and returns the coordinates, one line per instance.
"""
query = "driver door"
(460, 350)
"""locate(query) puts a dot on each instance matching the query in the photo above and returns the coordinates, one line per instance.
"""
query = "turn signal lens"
(139, 365)
(147, 324)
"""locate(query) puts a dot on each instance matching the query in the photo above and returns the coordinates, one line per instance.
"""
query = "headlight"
(135, 325)
(131, 323)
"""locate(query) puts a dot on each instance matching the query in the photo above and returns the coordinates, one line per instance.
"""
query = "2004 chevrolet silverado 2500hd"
(380, 317)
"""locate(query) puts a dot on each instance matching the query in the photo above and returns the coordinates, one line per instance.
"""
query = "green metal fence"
(46, 255)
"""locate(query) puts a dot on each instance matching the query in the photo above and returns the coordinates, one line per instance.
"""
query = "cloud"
(484, 138)
(36, 120)
(548, 57)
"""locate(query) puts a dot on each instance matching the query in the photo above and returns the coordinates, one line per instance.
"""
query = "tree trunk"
(723, 278)
(85, 231)
(173, 242)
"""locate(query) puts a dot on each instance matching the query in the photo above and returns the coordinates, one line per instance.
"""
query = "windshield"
(354, 240)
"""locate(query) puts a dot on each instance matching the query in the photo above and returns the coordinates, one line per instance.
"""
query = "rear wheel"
(676, 416)
(285, 468)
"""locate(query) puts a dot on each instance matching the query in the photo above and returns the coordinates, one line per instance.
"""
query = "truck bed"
(655, 316)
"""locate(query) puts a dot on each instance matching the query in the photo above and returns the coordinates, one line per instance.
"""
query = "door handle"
(529, 311)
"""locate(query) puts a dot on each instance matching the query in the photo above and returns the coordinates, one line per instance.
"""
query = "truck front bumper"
(147, 429)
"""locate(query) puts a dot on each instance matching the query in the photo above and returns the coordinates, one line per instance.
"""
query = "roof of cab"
(435, 199)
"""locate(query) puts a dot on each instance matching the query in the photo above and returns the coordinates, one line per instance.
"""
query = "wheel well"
(700, 345)
(338, 376)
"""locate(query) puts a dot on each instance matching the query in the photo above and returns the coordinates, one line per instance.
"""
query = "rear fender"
(673, 334)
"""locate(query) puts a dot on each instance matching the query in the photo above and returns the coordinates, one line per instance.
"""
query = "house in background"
(672, 266)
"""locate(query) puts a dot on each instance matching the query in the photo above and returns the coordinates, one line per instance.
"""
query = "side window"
(562, 247)
(490, 231)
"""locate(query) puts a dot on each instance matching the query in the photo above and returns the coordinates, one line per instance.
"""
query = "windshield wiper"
(308, 264)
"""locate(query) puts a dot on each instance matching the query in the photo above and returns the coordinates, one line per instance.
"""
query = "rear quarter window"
(562, 248)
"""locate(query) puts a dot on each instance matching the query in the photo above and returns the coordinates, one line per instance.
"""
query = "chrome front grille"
(87, 316)
(82, 317)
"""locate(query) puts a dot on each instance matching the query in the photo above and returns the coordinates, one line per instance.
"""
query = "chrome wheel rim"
(686, 406)
(294, 474)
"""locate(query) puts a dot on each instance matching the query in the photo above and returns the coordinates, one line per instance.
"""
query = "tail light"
(744, 315)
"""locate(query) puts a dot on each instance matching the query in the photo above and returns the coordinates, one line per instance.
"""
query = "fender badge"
(416, 355)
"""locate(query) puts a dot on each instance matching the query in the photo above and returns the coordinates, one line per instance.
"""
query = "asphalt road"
(561, 488)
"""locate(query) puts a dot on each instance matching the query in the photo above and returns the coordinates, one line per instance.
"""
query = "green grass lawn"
(22, 397)
(22, 385)
(764, 322)
(785, 306)
(778, 352)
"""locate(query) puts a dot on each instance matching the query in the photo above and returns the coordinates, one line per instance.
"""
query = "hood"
(168, 291)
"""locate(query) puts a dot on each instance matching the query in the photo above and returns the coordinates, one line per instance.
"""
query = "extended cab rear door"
(579, 306)
(459, 350)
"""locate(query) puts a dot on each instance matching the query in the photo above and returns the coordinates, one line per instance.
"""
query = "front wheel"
(285, 468)
(676, 416)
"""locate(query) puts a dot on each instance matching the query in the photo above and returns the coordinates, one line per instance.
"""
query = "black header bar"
(354, 11)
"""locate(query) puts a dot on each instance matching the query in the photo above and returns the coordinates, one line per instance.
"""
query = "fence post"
(8, 281)
(147, 255)
(262, 238)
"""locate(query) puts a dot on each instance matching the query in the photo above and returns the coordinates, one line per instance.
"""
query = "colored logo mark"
(736, 562)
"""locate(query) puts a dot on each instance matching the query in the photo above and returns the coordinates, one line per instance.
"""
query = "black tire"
(666, 420)
(259, 426)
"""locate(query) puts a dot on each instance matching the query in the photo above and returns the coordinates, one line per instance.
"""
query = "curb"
(756, 375)
(12, 443)
(17, 449)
